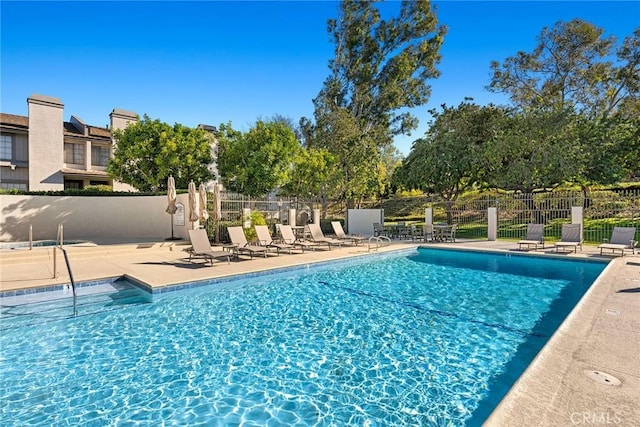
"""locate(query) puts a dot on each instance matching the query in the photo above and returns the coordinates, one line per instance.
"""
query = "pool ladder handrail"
(379, 241)
(60, 245)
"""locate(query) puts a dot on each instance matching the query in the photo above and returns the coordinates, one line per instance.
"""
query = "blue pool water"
(433, 338)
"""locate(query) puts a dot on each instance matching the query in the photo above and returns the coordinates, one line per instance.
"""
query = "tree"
(380, 70)
(569, 79)
(450, 159)
(148, 151)
(258, 161)
(312, 174)
(535, 150)
(570, 69)
(610, 153)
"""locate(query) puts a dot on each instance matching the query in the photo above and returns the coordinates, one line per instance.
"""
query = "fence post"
(428, 215)
(292, 217)
(492, 223)
(577, 218)
(246, 217)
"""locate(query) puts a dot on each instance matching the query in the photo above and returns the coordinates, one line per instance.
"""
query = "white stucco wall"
(98, 219)
(46, 146)
(360, 221)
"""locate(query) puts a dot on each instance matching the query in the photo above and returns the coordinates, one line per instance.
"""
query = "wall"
(45, 143)
(360, 221)
(98, 219)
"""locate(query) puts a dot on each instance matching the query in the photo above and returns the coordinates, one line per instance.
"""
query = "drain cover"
(602, 377)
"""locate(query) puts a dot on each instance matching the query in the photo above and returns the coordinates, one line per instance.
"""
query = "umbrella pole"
(172, 227)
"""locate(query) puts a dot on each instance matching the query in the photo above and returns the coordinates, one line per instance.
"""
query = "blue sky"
(213, 62)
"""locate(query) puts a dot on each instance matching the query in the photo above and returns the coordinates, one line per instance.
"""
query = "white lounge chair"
(265, 239)
(622, 238)
(317, 236)
(290, 238)
(201, 248)
(571, 237)
(341, 235)
(236, 234)
(534, 237)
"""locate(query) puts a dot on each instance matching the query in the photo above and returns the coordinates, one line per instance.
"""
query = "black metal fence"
(602, 210)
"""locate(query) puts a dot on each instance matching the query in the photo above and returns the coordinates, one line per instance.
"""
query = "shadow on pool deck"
(601, 334)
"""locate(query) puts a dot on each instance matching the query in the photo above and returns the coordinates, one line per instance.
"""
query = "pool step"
(61, 307)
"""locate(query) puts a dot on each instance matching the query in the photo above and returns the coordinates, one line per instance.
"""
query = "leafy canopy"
(450, 159)
(380, 69)
(148, 151)
(571, 68)
(258, 161)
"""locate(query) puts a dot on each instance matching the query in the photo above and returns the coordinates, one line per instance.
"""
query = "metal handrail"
(60, 245)
(379, 240)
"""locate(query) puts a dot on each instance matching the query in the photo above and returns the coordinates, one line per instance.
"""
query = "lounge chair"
(570, 237)
(622, 238)
(317, 236)
(341, 235)
(534, 237)
(201, 248)
(236, 234)
(265, 239)
(290, 238)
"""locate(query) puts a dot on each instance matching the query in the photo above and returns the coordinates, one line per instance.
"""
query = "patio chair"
(341, 235)
(241, 246)
(265, 239)
(317, 236)
(439, 229)
(622, 238)
(201, 248)
(449, 233)
(534, 237)
(379, 230)
(428, 232)
(417, 233)
(288, 237)
(571, 237)
(404, 230)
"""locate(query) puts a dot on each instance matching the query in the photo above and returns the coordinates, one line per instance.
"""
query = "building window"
(13, 185)
(6, 147)
(99, 155)
(72, 184)
(74, 153)
(103, 183)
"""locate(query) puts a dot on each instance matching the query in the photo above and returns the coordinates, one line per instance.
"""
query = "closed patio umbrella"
(193, 203)
(204, 214)
(217, 204)
(171, 201)
(217, 209)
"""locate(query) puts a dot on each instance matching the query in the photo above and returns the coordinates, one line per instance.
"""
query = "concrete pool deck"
(572, 381)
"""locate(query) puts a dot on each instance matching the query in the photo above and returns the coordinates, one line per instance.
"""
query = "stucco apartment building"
(42, 152)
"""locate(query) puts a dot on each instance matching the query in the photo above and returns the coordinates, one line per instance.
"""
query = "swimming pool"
(430, 338)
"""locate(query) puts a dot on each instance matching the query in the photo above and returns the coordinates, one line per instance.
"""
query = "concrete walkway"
(587, 374)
